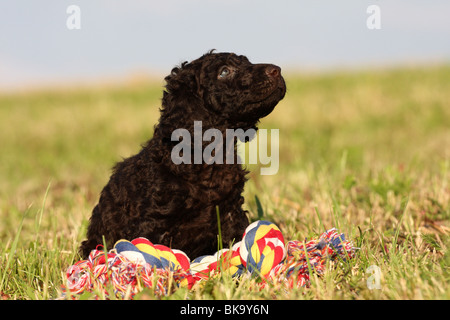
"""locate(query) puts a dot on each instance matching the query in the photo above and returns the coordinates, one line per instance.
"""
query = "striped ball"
(262, 247)
(143, 253)
(141, 250)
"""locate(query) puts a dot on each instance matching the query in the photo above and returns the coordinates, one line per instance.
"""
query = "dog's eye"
(225, 72)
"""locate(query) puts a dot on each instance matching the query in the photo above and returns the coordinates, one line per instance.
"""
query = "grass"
(366, 152)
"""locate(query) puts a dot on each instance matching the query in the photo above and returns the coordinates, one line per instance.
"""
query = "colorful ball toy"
(262, 247)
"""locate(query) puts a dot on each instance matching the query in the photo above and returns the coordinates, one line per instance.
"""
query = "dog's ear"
(182, 97)
(183, 80)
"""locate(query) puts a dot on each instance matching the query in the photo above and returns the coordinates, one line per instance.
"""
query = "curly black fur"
(150, 196)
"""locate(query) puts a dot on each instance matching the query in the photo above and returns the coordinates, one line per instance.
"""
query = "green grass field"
(366, 152)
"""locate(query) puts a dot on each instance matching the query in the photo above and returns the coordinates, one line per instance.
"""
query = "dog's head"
(233, 91)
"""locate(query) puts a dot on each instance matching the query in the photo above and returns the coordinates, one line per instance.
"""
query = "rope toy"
(131, 266)
(301, 256)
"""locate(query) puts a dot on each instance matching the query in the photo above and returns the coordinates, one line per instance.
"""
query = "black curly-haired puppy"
(150, 196)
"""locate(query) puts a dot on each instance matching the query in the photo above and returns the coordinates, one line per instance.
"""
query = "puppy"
(174, 203)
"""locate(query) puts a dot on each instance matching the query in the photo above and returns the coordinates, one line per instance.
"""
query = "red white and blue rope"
(134, 265)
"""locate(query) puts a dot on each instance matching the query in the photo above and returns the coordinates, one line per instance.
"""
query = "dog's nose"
(273, 71)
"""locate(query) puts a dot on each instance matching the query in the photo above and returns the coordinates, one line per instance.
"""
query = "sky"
(119, 38)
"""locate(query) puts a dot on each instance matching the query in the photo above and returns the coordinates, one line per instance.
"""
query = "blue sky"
(118, 38)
